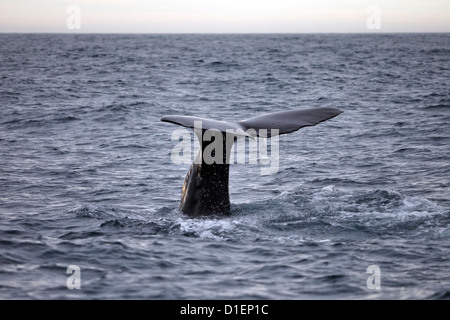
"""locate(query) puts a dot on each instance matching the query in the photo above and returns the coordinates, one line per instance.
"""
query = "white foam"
(329, 188)
(207, 228)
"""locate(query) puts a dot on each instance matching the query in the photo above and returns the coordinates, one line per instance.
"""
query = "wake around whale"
(205, 188)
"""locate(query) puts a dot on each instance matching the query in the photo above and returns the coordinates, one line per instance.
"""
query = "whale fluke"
(205, 189)
(289, 121)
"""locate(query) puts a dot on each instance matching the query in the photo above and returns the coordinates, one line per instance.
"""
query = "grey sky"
(225, 16)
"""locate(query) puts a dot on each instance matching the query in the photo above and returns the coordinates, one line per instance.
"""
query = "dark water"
(86, 176)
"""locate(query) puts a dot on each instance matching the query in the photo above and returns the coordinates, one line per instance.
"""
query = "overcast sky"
(225, 16)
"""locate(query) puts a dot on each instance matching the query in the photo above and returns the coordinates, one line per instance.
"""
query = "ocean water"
(86, 176)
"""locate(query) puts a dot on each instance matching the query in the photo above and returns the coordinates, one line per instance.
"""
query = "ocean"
(359, 207)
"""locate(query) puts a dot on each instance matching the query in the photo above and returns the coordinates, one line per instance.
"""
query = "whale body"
(205, 189)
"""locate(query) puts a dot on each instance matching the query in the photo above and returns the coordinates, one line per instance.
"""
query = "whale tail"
(284, 121)
(205, 188)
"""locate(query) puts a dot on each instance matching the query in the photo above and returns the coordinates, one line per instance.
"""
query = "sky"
(224, 16)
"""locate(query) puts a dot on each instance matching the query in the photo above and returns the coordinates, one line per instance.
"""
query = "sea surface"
(87, 180)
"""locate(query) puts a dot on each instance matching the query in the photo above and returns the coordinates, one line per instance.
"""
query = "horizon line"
(225, 33)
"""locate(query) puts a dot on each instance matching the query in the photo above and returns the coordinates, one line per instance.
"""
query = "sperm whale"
(205, 189)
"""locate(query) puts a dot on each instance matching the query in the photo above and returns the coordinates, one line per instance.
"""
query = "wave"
(300, 216)
(437, 107)
(118, 107)
(18, 123)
